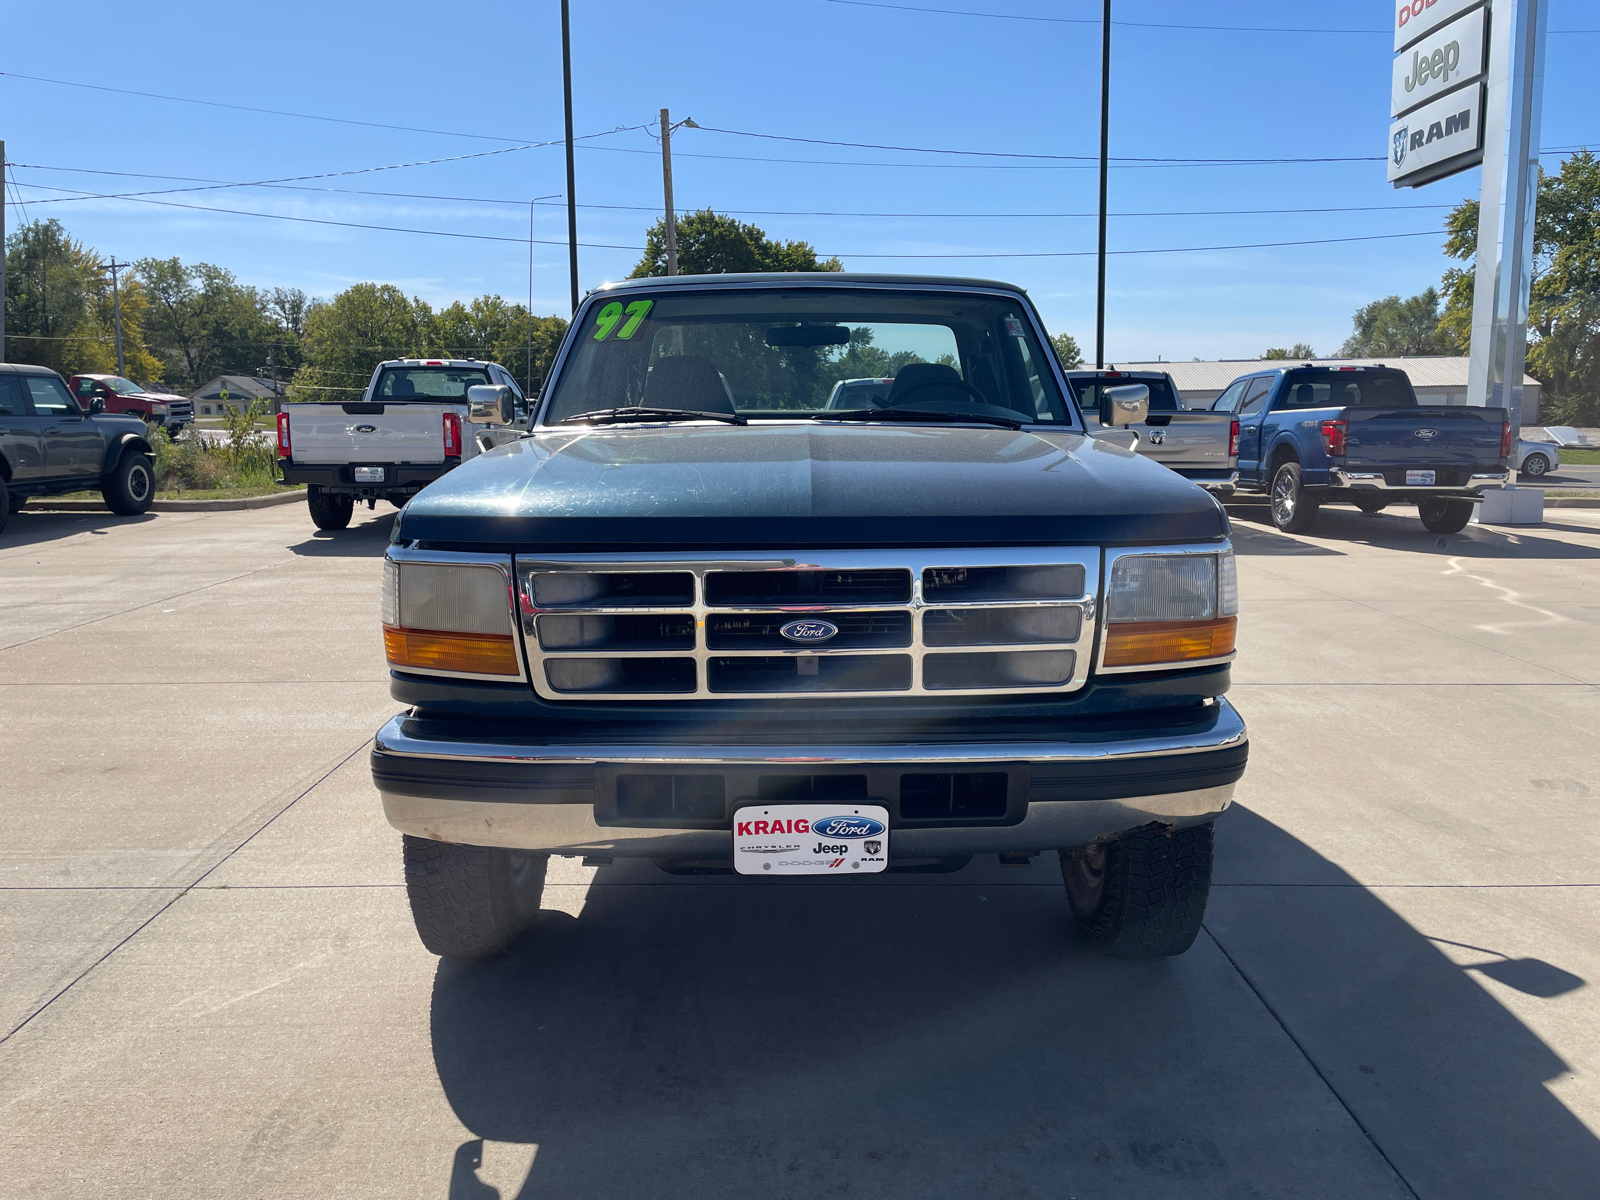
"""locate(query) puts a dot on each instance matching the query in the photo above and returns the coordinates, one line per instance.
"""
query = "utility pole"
(572, 179)
(666, 184)
(1105, 147)
(2, 252)
(116, 305)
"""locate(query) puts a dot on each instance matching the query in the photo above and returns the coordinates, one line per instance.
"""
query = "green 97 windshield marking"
(606, 320)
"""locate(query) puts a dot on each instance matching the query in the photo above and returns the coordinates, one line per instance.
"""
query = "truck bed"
(407, 432)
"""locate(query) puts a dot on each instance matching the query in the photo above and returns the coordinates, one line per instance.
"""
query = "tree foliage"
(59, 306)
(711, 243)
(1391, 327)
(206, 323)
(1564, 304)
(1068, 351)
(1299, 352)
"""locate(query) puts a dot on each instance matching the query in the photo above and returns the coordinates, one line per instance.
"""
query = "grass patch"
(243, 492)
(199, 469)
(1586, 458)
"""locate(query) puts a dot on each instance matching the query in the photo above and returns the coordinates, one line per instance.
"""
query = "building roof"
(241, 387)
(1446, 370)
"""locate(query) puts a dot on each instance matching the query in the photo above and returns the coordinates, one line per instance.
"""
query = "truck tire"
(471, 901)
(329, 510)
(131, 486)
(1143, 895)
(5, 505)
(1370, 504)
(1294, 508)
(1443, 515)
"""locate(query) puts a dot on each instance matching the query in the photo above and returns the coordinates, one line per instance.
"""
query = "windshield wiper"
(912, 414)
(606, 416)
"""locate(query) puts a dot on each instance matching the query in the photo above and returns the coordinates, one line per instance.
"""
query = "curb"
(1575, 502)
(270, 501)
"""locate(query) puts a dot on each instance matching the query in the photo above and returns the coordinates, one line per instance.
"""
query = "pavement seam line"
(1311, 1062)
(135, 608)
(145, 924)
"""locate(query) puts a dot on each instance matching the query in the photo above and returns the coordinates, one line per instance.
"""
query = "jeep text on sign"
(1439, 62)
(1415, 18)
(1437, 132)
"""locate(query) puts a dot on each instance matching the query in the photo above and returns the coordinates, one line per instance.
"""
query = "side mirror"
(1126, 405)
(489, 404)
(96, 406)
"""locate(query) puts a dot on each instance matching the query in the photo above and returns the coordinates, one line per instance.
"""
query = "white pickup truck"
(408, 429)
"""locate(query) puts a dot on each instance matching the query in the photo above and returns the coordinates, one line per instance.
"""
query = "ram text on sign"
(1434, 134)
(1444, 59)
(1414, 18)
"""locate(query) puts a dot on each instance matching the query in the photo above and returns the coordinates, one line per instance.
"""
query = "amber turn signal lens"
(475, 653)
(1154, 643)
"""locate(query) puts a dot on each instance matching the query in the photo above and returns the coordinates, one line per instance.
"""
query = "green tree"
(1390, 327)
(344, 339)
(1300, 352)
(710, 243)
(1068, 351)
(490, 327)
(1564, 304)
(59, 309)
(206, 322)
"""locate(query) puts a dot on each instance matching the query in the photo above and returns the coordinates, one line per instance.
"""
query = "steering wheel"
(899, 401)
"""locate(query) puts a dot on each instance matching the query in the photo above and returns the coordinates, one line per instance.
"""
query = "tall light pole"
(666, 184)
(531, 203)
(116, 306)
(1105, 146)
(572, 178)
(2, 252)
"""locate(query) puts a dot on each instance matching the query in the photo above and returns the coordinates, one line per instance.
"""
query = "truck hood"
(808, 485)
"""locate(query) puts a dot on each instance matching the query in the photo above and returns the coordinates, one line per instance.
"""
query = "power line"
(958, 12)
(512, 201)
(483, 237)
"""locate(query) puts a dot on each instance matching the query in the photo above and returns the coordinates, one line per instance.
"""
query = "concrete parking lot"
(209, 983)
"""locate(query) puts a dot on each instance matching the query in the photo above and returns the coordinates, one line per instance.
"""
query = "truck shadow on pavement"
(917, 1036)
(367, 538)
(32, 527)
(1401, 530)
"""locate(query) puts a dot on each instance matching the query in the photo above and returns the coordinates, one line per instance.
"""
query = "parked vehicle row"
(50, 444)
(1200, 446)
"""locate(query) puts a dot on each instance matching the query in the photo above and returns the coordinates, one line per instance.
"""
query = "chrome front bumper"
(1362, 480)
(568, 826)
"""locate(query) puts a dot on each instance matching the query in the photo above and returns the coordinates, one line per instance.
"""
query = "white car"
(1537, 458)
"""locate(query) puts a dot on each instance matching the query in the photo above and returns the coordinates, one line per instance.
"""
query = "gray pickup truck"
(49, 444)
(1201, 446)
(696, 616)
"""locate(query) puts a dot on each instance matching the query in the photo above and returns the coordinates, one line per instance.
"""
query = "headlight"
(449, 618)
(159, 410)
(1166, 609)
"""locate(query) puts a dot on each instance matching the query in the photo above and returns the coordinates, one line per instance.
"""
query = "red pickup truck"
(121, 395)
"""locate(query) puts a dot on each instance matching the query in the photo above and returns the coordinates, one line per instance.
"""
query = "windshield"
(1356, 389)
(122, 387)
(773, 354)
(428, 383)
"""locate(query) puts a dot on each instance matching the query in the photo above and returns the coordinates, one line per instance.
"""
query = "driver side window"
(51, 398)
(1256, 396)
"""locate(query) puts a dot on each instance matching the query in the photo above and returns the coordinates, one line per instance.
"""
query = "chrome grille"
(908, 622)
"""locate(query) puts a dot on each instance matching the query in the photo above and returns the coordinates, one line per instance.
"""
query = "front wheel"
(1443, 515)
(1294, 509)
(1535, 464)
(1144, 894)
(131, 486)
(329, 510)
(471, 901)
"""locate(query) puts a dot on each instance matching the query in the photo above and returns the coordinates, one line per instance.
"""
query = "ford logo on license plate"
(847, 827)
(809, 631)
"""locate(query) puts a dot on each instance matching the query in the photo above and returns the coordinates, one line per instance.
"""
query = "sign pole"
(1514, 102)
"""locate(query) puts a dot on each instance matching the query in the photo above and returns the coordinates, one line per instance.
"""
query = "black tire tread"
(5, 505)
(1306, 507)
(329, 510)
(463, 900)
(1156, 887)
(1453, 519)
(114, 486)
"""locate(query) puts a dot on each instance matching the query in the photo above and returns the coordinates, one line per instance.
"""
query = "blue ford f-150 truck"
(697, 616)
(1310, 435)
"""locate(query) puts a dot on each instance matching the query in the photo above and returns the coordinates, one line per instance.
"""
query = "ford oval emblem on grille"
(366, 429)
(809, 631)
(847, 827)
(1427, 433)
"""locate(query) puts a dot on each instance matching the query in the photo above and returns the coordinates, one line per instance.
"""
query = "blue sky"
(803, 69)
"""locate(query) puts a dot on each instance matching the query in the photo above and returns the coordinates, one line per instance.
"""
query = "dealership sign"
(1437, 89)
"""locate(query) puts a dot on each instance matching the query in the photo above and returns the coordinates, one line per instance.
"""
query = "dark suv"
(49, 445)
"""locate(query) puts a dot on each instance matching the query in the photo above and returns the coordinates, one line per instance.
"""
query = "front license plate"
(369, 474)
(810, 839)
(1419, 478)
